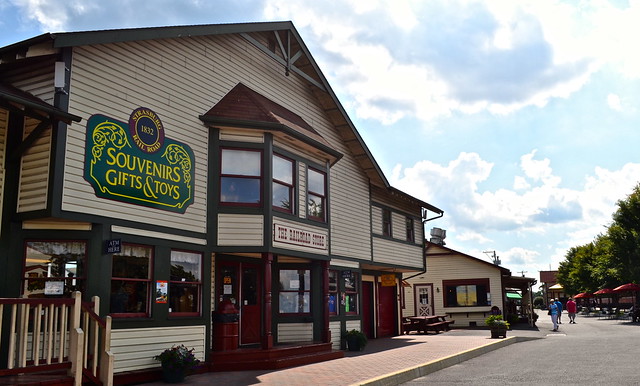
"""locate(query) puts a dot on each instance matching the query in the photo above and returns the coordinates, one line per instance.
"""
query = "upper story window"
(185, 283)
(316, 194)
(240, 177)
(410, 229)
(54, 268)
(386, 222)
(131, 281)
(283, 184)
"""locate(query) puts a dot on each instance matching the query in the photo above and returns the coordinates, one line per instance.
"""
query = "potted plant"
(497, 325)
(177, 362)
(356, 340)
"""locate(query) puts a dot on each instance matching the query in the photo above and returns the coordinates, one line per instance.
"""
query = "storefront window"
(54, 268)
(316, 195)
(185, 283)
(283, 186)
(295, 291)
(333, 293)
(131, 281)
(240, 177)
(467, 293)
(351, 293)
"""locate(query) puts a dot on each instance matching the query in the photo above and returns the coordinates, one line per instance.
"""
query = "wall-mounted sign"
(136, 163)
(53, 287)
(290, 235)
(113, 246)
(388, 280)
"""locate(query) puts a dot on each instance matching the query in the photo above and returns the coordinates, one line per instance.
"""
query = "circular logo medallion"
(146, 130)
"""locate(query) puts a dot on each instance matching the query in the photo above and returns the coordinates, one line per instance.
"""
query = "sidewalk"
(386, 361)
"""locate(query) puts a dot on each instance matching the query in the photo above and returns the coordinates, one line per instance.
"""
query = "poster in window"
(161, 291)
(53, 287)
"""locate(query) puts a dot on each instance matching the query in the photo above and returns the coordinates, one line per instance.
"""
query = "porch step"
(276, 358)
(39, 379)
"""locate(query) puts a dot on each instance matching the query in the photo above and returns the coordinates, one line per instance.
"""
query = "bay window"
(283, 184)
(241, 177)
(316, 194)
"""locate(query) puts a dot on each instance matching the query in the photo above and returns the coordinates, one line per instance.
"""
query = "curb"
(411, 373)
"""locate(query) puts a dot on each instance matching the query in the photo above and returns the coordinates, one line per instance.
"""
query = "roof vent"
(438, 235)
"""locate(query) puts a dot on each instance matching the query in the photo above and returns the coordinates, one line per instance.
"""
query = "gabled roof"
(243, 107)
(444, 251)
(279, 40)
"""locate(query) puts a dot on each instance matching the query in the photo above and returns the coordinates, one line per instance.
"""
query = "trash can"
(225, 327)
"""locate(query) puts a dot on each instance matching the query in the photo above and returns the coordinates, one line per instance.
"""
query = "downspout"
(424, 243)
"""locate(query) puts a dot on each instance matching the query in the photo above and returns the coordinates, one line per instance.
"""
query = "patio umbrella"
(603, 291)
(583, 295)
(629, 287)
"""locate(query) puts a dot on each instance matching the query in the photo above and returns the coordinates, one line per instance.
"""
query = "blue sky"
(518, 118)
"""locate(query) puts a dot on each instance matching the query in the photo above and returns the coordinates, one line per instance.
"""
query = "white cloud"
(613, 101)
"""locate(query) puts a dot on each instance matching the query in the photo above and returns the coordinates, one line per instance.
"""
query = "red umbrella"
(627, 287)
(583, 295)
(603, 291)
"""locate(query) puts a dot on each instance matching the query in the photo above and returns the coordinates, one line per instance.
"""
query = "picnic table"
(423, 324)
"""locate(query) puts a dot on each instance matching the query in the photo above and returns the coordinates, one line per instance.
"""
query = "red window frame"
(126, 281)
(289, 186)
(259, 178)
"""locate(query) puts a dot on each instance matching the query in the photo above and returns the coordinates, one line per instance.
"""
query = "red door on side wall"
(386, 310)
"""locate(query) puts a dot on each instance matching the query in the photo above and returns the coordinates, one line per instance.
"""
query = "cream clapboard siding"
(344, 263)
(240, 229)
(456, 267)
(336, 335)
(34, 170)
(135, 348)
(397, 253)
(352, 325)
(180, 79)
(301, 226)
(241, 136)
(295, 332)
(376, 220)
(4, 119)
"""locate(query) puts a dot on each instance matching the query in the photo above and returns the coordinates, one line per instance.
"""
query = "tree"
(624, 234)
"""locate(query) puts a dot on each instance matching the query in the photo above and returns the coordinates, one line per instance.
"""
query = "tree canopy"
(613, 258)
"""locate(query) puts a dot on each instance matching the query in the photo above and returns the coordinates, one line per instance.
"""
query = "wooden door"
(423, 299)
(386, 311)
(250, 307)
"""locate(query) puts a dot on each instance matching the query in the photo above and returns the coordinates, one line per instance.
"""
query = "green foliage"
(538, 302)
(359, 335)
(178, 357)
(613, 258)
(496, 321)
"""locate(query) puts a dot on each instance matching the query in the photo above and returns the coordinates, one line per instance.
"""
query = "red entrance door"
(386, 310)
(240, 284)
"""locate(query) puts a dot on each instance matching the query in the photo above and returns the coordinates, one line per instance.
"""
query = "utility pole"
(496, 259)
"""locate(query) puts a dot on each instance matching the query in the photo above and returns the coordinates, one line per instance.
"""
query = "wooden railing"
(53, 334)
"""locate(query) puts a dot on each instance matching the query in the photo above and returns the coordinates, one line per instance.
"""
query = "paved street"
(592, 351)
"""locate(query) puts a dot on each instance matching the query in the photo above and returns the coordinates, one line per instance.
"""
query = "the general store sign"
(301, 237)
(134, 162)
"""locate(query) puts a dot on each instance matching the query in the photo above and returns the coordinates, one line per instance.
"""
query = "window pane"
(294, 302)
(129, 296)
(241, 162)
(185, 266)
(184, 297)
(281, 196)
(282, 170)
(133, 267)
(54, 267)
(316, 182)
(351, 305)
(315, 206)
(246, 190)
(333, 281)
(295, 279)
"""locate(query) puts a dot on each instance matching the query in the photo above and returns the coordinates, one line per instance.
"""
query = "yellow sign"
(388, 280)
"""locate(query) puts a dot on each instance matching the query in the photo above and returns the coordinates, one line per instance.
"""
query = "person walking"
(571, 310)
(553, 311)
(559, 304)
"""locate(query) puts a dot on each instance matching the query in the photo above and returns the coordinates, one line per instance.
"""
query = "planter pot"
(353, 343)
(173, 375)
(497, 332)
